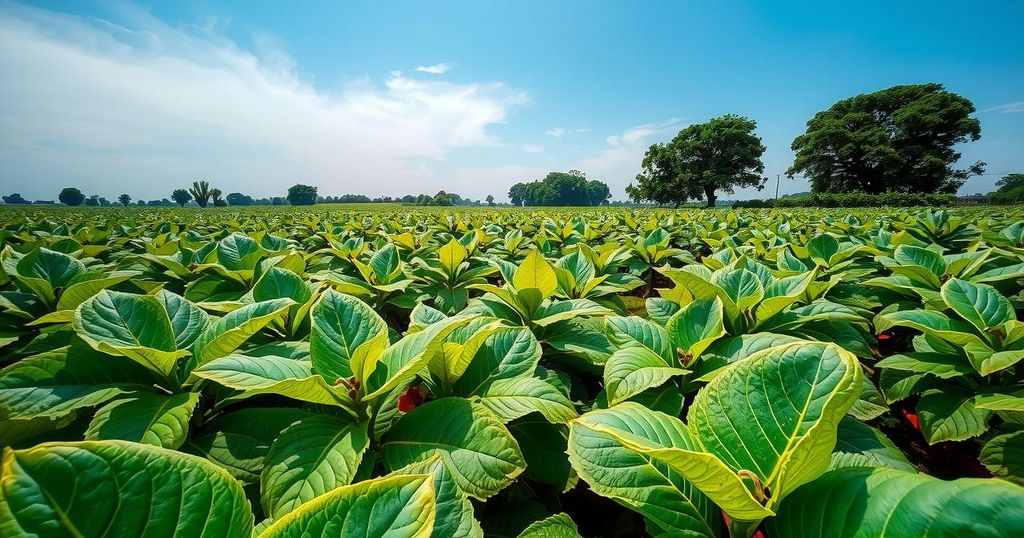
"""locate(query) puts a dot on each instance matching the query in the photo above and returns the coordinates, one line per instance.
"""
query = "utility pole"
(777, 179)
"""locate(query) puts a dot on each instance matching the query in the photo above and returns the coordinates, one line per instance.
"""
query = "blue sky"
(396, 97)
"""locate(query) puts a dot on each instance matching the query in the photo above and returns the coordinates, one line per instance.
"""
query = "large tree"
(302, 194)
(181, 196)
(71, 196)
(898, 139)
(718, 155)
(200, 192)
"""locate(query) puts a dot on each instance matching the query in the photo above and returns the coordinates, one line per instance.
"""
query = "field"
(392, 371)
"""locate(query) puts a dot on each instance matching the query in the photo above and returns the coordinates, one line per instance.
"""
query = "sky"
(396, 97)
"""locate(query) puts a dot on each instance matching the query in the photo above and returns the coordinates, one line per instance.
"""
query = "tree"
(141, 203)
(490, 199)
(93, 201)
(15, 199)
(302, 195)
(201, 192)
(237, 198)
(181, 196)
(1011, 189)
(517, 194)
(71, 196)
(598, 192)
(897, 139)
(443, 198)
(124, 199)
(217, 200)
(718, 155)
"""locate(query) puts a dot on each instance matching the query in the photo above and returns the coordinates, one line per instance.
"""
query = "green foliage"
(897, 139)
(201, 192)
(300, 194)
(446, 372)
(71, 196)
(704, 158)
(561, 189)
(181, 196)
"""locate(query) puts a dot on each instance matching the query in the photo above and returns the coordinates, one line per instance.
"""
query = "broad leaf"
(478, 450)
(310, 458)
(117, 488)
(152, 419)
(401, 506)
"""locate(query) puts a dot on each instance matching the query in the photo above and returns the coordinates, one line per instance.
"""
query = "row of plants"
(477, 372)
(853, 199)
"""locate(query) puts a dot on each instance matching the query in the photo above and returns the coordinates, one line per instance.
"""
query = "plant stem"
(742, 529)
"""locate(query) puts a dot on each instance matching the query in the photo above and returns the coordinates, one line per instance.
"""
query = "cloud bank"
(140, 107)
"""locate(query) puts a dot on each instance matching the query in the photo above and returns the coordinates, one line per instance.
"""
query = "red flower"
(411, 398)
(912, 418)
(882, 337)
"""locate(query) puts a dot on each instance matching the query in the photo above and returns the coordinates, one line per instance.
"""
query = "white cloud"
(584, 130)
(141, 107)
(1008, 108)
(533, 148)
(620, 162)
(556, 132)
(436, 69)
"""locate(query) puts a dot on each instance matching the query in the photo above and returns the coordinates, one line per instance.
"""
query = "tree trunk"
(709, 193)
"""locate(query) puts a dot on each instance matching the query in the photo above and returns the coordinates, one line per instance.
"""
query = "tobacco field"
(399, 372)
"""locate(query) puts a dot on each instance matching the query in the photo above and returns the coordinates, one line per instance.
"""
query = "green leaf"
(79, 292)
(696, 326)
(508, 353)
(1000, 401)
(56, 383)
(134, 326)
(510, 399)
(345, 335)
(239, 441)
(939, 365)
(860, 445)
(536, 273)
(634, 480)
(821, 249)
(272, 375)
(1004, 456)
(556, 526)
(238, 252)
(278, 283)
(979, 304)
(402, 506)
(775, 414)
(624, 331)
(859, 502)
(45, 270)
(632, 370)
(478, 450)
(227, 333)
(151, 419)
(187, 320)
(544, 445)
(405, 358)
(117, 488)
(454, 510)
(452, 254)
(950, 415)
(310, 458)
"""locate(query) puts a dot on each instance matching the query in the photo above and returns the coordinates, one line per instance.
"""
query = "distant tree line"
(560, 189)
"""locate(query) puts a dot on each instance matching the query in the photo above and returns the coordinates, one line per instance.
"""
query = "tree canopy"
(1011, 189)
(560, 189)
(71, 196)
(302, 194)
(898, 139)
(718, 155)
(181, 196)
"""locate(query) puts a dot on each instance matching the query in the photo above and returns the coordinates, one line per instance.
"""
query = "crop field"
(391, 371)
